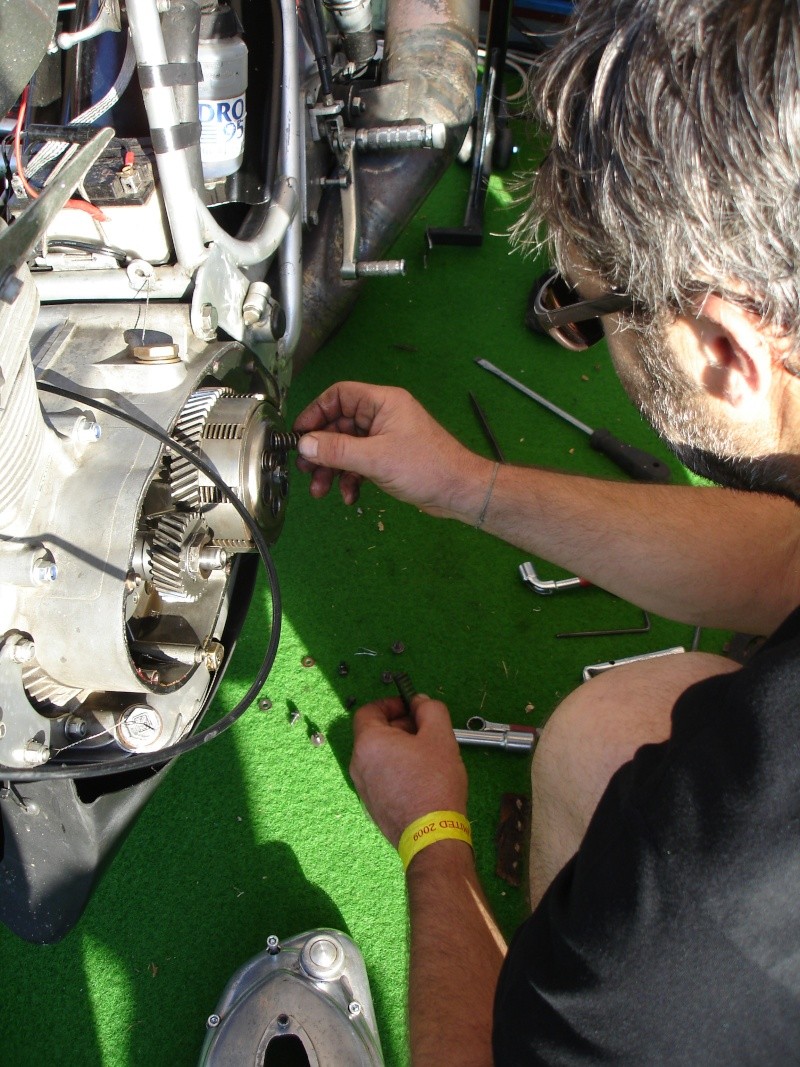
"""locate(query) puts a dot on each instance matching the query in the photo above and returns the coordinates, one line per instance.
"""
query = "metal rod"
(489, 433)
(534, 396)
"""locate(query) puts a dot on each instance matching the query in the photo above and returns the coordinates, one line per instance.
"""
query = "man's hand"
(361, 431)
(406, 765)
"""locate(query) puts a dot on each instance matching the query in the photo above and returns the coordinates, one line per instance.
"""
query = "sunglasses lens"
(552, 293)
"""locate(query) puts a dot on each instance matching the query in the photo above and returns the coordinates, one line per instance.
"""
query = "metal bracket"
(108, 18)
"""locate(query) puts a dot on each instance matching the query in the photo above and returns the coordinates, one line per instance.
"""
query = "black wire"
(155, 759)
(87, 246)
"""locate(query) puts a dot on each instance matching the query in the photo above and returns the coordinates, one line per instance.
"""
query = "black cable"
(319, 44)
(155, 759)
(87, 246)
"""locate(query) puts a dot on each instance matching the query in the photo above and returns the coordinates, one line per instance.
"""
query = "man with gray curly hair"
(665, 849)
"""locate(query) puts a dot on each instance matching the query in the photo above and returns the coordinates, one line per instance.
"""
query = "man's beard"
(680, 414)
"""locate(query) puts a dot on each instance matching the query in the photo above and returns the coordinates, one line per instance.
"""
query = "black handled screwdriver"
(638, 464)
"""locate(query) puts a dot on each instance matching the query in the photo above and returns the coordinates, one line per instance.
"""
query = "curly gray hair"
(674, 160)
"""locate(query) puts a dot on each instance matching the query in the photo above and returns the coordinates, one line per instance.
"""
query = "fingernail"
(307, 446)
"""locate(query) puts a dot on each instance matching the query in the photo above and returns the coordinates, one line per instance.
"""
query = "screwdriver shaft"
(535, 396)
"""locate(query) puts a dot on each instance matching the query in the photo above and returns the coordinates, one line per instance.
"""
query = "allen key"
(643, 629)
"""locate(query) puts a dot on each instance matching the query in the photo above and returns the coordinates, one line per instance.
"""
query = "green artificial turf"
(261, 832)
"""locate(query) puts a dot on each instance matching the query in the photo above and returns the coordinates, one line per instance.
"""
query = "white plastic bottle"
(223, 59)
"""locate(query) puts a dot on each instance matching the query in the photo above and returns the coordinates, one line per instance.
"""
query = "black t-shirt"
(673, 936)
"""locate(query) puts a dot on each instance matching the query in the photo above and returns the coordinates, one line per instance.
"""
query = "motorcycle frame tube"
(291, 160)
(175, 174)
(191, 223)
(165, 283)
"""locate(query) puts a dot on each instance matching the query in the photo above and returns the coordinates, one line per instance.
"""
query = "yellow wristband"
(437, 826)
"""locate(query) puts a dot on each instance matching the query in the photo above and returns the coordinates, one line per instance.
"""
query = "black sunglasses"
(557, 310)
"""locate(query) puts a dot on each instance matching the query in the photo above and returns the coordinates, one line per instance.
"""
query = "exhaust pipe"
(429, 76)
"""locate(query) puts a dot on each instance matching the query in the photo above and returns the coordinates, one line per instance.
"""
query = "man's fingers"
(350, 486)
(351, 400)
(432, 718)
(387, 711)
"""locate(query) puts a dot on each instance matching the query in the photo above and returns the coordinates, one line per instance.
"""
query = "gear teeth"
(43, 689)
(188, 431)
(167, 557)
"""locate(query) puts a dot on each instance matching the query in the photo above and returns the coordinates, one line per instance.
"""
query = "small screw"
(213, 1021)
(318, 738)
(387, 678)
(273, 945)
(343, 669)
(264, 704)
(294, 717)
(308, 661)
(354, 1008)
(398, 647)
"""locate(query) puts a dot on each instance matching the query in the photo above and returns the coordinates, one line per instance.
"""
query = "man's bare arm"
(456, 955)
(710, 557)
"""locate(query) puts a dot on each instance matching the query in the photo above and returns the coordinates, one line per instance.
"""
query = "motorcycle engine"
(193, 191)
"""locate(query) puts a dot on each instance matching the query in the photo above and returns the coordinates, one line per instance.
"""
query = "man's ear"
(735, 359)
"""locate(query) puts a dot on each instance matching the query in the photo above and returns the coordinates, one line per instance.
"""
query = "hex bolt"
(22, 649)
(265, 704)
(86, 431)
(318, 739)
(255, 303)
(75, 728)
(213, 653)
(343, 669)
(209, 319)
(213, 1021)
(273, 945)
(35, 753)
(43, 572)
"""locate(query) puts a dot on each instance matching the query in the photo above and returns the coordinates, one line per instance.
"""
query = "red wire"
(77, 205)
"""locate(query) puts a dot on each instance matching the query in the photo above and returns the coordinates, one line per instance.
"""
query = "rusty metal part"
(512, 836)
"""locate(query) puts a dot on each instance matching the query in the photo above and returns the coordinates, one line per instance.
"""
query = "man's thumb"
(308, 446)
(339, 451)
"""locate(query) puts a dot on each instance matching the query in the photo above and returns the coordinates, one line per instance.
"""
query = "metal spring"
(405, 687)
(283, 441)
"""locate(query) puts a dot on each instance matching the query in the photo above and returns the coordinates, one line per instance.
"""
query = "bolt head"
(264, 704)
(44, 572)
(213, 1021)
(209, 318)
(354, 1008)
